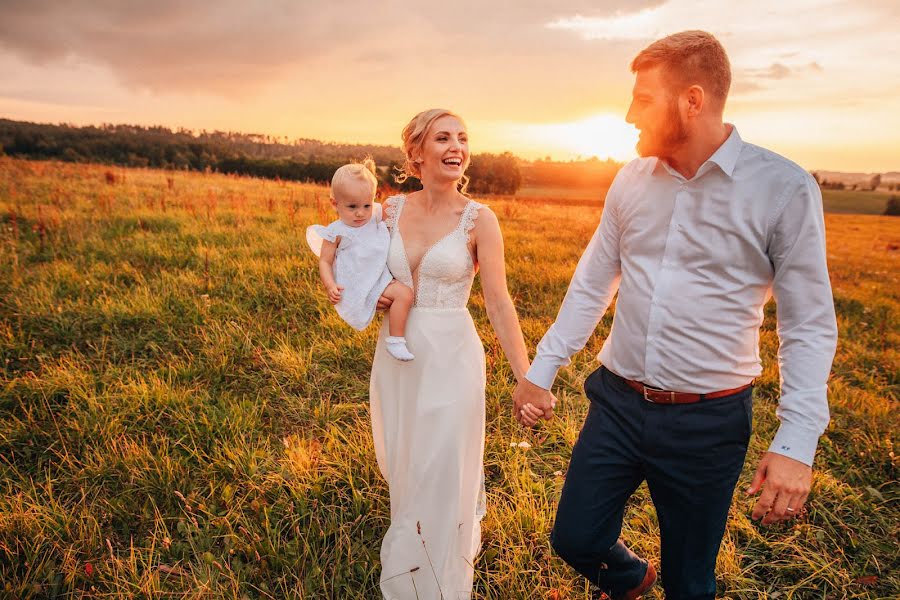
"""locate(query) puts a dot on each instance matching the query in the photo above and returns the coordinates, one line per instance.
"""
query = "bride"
(428, 414)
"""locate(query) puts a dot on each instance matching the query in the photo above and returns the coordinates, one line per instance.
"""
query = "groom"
(695, 236)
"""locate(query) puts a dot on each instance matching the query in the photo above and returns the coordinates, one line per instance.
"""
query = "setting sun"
(604, 136)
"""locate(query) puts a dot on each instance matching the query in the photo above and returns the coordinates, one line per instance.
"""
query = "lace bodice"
(446, 271)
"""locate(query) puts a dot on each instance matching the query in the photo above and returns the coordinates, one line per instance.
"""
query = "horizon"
(288, 141)
(535, 81)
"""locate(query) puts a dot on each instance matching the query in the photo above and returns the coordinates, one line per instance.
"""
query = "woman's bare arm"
(500, 309)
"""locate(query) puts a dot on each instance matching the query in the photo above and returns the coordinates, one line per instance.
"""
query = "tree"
(875, 181)
(494, 174)
(893, 207)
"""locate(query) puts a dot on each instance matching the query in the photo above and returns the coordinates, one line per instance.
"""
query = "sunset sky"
(815, 80)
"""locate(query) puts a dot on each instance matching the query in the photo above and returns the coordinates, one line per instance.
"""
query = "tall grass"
(183, 414)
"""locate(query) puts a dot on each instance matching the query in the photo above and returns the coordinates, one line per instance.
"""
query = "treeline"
(229, 152)
(865, 184)
(163, 148)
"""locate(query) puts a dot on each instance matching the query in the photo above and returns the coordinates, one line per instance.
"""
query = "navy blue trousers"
(691, 456)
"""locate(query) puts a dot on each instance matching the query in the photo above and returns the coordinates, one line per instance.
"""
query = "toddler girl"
(353, 253)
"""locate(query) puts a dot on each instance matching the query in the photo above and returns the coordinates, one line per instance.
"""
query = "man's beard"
(665, 141)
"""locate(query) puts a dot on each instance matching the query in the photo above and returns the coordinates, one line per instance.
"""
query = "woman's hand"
(334, 293)
(528, 415)
(532, 402)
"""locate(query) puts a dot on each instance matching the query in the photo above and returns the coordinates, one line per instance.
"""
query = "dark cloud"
(774, 71)
(199, 46)
(750, 80)
(743, 86)
(161, 45)
(747, 81)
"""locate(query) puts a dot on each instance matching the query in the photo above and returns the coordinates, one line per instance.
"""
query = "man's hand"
(541, 401)
(334, 293)
(785, 483)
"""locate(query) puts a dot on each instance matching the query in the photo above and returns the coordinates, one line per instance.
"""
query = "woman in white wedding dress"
(428, 414)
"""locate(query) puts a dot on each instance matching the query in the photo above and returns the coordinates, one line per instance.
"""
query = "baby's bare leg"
(402, 300)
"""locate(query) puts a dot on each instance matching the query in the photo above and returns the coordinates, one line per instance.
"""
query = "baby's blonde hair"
(361, 171)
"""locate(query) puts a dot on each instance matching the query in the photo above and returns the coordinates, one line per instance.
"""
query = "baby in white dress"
(353, 253)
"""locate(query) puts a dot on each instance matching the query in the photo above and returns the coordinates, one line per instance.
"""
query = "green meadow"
(182, 413)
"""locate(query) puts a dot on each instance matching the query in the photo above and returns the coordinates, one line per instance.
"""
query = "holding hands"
(532, 402)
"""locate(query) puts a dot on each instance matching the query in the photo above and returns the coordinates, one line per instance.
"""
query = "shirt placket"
(662, 292)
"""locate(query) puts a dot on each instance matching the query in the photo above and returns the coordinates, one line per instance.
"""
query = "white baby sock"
(397, 347)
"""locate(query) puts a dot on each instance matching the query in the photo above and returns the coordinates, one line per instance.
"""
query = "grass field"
(182, 414)
(835, 201)
(855, 202)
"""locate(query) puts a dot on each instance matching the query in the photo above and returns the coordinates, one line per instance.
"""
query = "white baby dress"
(360, 265)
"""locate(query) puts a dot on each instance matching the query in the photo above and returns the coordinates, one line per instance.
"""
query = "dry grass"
(182, 413)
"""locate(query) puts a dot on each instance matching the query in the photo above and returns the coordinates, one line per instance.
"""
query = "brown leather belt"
(658, 396)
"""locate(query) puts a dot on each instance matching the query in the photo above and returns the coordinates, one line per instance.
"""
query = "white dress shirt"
(694, 262)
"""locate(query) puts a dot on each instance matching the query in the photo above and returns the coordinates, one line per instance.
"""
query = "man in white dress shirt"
(695, 236)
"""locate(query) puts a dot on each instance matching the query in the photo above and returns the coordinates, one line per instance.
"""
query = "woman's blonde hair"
(413, 137)
(361, 171)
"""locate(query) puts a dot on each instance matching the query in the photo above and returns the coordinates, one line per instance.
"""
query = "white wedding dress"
(428, 423)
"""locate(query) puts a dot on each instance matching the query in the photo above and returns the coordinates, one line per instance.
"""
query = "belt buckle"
(647, 389)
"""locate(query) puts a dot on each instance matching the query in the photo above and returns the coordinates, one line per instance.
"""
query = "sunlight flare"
(603, 136)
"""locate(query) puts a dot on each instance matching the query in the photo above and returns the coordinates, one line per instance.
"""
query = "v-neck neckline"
(432, 246)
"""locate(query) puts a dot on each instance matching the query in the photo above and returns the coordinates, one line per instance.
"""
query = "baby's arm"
(326, 269)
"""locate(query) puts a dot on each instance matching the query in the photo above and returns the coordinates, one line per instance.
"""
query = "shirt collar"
(725, 157)
(727, 154)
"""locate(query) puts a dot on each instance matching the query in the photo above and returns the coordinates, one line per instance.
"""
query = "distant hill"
(851, 178)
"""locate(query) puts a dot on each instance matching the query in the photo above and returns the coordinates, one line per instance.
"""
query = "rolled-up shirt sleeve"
(593, 286)
(807, 328)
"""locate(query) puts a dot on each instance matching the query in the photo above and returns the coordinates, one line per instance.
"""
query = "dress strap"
(393, 206)
(467, 221)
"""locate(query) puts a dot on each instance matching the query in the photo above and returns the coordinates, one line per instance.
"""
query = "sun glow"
(603, 136)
